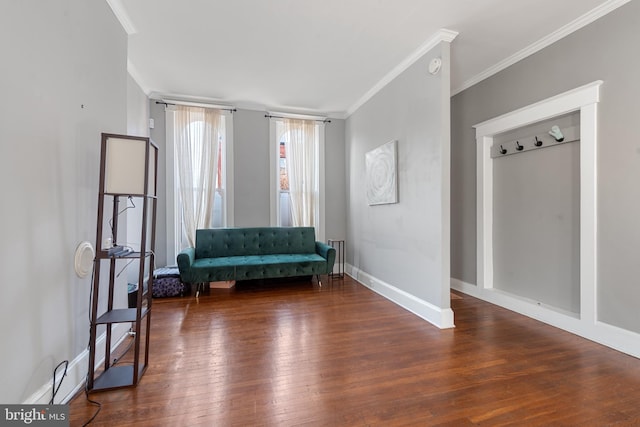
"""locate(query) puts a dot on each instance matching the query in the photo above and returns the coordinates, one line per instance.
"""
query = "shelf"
(117, 376)
(150, 196)
(127, 170)
(131, 255)
(120, 315)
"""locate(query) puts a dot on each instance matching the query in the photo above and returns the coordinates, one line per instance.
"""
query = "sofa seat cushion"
(257, 267)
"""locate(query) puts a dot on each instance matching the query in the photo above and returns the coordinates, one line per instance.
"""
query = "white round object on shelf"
(85, 254)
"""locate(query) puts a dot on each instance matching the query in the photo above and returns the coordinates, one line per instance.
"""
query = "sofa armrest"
(185, 260)
(327, 252)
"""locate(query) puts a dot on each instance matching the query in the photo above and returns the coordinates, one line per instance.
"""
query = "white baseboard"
(76, 372)
(611, 336)
(440, 317)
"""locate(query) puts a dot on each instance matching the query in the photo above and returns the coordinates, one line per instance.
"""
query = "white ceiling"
(324, 56)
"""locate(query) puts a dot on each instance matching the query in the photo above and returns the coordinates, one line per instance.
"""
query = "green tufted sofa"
(224, 254)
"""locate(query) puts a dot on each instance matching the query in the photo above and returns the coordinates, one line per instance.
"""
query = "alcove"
(536, 212)
(571, 306)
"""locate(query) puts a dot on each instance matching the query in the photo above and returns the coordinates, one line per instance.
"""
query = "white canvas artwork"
(382, 182)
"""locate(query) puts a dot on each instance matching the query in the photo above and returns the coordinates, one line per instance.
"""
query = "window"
(199, 179)
(297, 150)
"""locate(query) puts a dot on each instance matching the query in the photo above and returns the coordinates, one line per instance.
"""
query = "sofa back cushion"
(218, 242)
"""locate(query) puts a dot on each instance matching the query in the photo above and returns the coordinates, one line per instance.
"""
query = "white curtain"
(302, 150)
(196, 139)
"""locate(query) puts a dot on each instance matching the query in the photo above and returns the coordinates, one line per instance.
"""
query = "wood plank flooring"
(296, 354)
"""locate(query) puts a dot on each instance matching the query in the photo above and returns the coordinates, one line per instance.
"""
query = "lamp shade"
(126, 159)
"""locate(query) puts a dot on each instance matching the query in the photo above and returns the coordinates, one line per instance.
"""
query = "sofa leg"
(319, 281)
(200, 285)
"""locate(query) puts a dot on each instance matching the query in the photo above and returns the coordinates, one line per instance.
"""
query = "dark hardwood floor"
(292, 354)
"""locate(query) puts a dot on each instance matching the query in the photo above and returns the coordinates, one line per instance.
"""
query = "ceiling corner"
(442, 35)
(578, 23)
(135, 75)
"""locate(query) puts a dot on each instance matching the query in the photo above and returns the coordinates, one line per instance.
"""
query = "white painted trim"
(611, 336)
(588, 211)
(484, 217)
(571, 27)
(442, 35)
(442, 318)
(121, 14)
(571, 100)
(584, 100)
(76, 371)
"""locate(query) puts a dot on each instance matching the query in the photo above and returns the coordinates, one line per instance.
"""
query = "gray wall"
(606, 50)
(402, 244)
(251, 173)
(335, 180)
(536, 211)
(251, 168)
(137, 109)
(138, 125)
(65, 80)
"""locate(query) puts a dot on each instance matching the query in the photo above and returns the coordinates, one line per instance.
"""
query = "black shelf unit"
(128, 170)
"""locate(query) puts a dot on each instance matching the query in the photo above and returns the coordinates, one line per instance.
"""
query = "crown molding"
(544, 42)
(442, 35)
(123, 16)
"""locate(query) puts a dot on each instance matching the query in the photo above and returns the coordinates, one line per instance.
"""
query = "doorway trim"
(585, 100)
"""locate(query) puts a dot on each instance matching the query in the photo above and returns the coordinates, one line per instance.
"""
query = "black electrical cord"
(54, 390)
(93, 402)
(125, 266)
(117, 359)
(134, 259)
(133, 205)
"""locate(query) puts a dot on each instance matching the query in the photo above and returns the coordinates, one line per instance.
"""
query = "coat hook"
(538, 143)
(518, 146)
(556, 133)
(503, 150)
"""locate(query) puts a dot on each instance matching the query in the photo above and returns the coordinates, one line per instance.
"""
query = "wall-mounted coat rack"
(534, 142)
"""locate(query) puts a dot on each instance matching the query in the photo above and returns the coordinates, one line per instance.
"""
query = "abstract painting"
(381, 170)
